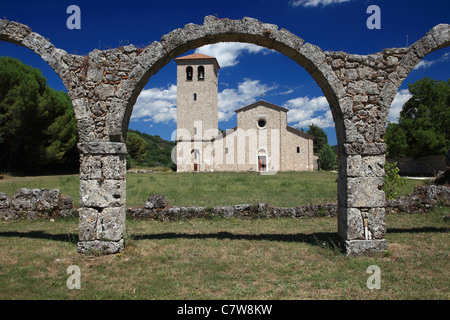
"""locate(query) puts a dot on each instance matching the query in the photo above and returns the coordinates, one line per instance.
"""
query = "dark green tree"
(137, 147)
(38, 127)
(327, 158)
(396, 141)
(424, 122)
(320, 137)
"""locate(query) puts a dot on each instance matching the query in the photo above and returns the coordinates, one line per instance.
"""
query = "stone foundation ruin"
(104, 86)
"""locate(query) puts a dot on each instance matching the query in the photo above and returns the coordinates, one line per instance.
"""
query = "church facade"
(262, 141)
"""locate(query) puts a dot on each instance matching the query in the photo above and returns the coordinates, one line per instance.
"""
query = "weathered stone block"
(376, 148)
(44, 201)
(311, 57)
(104, 91)
(287, 39)
(112, 221)
(364, 247)
(111, 167)
(223, 211)
(8, 214)
(37, 43)
(15, 32)
(362, 166)
(350, 223)
(48, 200)
(102, 194)
(105, 247)
(102, 148)
(156, 202)
(361, 192)
(5, 201)
(89, 226)
(376, 222)
(441, 35)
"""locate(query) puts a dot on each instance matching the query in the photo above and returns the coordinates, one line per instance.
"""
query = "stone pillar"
(102, 209)
(361, 212)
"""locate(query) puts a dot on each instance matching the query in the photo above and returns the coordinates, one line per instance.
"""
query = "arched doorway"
(262, 160)
(358, 88)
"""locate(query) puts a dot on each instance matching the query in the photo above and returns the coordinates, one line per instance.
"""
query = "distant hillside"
(158, 150)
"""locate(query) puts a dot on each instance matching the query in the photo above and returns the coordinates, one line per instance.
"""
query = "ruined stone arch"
(247, 30)
(104, 86)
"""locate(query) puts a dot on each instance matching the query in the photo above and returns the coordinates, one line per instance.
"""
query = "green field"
(222, 258)
(209, 189)
(226, 259)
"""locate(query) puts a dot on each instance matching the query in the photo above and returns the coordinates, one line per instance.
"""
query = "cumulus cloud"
(424, 64)
(247, 92)
(315, 3)
(156, 105)
(227, 53)
(160, 104)
(400, 99)
(303, 111)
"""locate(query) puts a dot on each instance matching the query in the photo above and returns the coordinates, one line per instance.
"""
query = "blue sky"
(247, 71)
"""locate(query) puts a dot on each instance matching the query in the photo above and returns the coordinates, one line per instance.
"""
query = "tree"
(38, 126)
(424, 122)
(320, 137)
(327, 158)
(137, 147)
(396, 141)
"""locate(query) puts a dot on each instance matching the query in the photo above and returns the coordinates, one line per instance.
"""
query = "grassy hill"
(158, 151)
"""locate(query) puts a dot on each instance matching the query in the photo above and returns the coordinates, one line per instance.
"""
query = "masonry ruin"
(104, 86)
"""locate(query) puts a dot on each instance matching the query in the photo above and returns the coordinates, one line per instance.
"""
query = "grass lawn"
(226, 259)
(223, 258)
(285, 189)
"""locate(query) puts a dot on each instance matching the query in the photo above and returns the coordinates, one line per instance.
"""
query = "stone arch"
(22, 35)
(104, 86)
(247, 30)
(437, 38)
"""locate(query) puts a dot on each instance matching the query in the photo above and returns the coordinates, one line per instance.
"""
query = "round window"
(261, 123)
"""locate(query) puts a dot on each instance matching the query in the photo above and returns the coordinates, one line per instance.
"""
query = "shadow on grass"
(64, 237)
(322, 239)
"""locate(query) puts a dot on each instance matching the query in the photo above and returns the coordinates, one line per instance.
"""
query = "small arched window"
(196, 154)
(189, 73)
(195, 97)
(201, 73)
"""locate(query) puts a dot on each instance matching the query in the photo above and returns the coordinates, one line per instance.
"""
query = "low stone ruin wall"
(49, 203)
(262, 210)
(423, 199)
(35, 203)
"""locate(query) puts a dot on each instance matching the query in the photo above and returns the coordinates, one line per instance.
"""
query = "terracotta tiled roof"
(197, 56)
(263, 103)
(300, 133)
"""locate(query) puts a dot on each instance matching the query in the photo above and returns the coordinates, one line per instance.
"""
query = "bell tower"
(197, 108)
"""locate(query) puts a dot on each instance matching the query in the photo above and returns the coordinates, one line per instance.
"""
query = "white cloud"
(227, 53)
(424, 64)
(315, 3)
(156, 105)
(159, 104)
(248, 92)
(400, 99)
(303, 111)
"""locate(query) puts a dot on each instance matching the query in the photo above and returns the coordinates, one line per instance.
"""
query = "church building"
(262, 141)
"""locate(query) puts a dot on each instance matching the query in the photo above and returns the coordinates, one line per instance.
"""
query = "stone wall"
(35, 203)
(157, 208)
(104, 86)
(428, 166)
